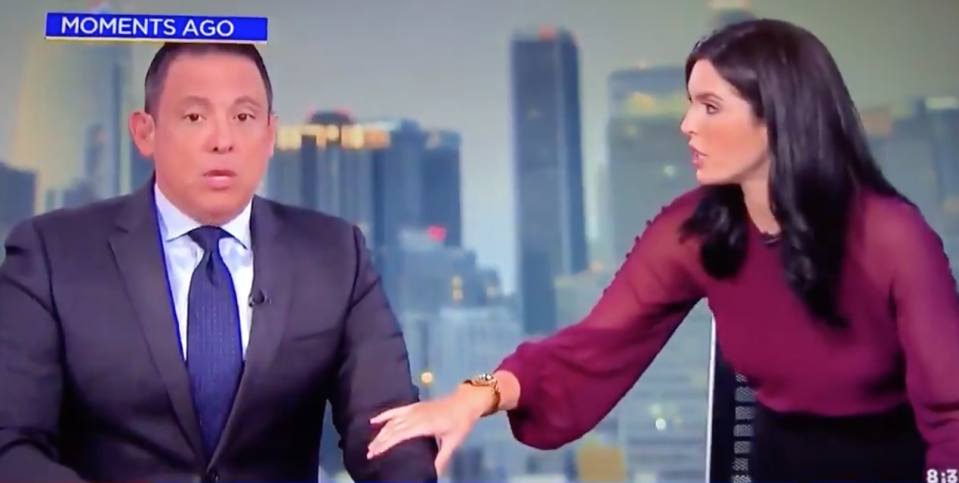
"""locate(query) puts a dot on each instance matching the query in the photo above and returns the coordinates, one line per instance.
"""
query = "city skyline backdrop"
(420, 106)
(446, 65)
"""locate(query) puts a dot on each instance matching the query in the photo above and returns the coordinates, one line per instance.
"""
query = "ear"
(142, 130)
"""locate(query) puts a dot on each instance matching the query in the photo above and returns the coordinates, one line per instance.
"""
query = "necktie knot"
(208, 237)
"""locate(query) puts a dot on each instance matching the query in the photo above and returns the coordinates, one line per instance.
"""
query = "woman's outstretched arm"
(557, 389)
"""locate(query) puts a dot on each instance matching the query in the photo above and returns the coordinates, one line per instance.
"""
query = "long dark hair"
(819, 151)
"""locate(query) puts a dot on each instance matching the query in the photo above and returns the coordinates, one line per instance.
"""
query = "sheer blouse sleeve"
(572, 379)
(926, 304)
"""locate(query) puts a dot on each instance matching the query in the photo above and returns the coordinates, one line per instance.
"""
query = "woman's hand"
(448, 419)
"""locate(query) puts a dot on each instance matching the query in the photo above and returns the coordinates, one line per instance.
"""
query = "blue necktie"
(214, 354)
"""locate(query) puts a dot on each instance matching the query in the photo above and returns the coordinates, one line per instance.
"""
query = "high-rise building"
(577, 294)
(661, 421)
(327, 164)
(17, 197)
(375, 174)
(422, 275)
(548, 162)
(907, 155)
(634, 91)
(493, 286)
(115, 64)
(442, 186)
(659, 424)
(941, 116)
(68, 88)
(600, 247)
(141, 168)
(114, 96)
(81, 193)
(372, 174)
(648, 155)
(490, 333)
(918, 148)
(398, 182)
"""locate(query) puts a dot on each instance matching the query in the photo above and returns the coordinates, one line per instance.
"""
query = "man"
(192, 331)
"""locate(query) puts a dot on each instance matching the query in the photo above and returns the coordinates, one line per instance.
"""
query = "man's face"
(210, 135)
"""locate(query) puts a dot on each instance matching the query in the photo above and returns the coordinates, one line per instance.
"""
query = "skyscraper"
(397, 182)
(17, 194)
(648, 168)
(920, 154)
(70, 89)
(372, 174)
(548, 164)
(442, 186)
(17, 197)
(326, 164)
(141, 168)
(941, 115)
(630, 88)
(941, 118)
(647, 151)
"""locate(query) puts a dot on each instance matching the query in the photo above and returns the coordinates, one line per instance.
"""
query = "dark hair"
(819, 151)
(156, 73)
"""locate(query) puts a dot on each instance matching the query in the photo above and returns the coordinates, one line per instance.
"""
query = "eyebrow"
(249, 101)
(242, 100)
(190, 100)
(706, 96)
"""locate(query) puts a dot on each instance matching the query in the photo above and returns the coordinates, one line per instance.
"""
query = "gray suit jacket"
(93, 385)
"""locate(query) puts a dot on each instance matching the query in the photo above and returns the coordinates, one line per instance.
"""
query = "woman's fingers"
(444, 455)
(390, 414)
(398, 430)
(381, 438)
(389, 420)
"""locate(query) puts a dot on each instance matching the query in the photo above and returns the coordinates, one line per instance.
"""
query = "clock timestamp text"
(949, 475)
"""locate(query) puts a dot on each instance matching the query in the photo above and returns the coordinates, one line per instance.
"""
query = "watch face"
(483, 379)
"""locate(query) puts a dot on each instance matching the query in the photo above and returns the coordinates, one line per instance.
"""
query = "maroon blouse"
(572, 379)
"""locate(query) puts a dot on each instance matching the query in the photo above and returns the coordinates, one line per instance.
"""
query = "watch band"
(487, 381)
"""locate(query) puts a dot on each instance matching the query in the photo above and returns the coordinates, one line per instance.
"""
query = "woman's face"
(729, 144)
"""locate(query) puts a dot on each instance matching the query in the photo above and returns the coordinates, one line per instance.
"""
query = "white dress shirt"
(183, 255)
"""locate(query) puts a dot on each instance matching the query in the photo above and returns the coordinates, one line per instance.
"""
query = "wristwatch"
(487, 381)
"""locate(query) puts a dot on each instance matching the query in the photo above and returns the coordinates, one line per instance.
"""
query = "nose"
(686, 126)
(222, 138)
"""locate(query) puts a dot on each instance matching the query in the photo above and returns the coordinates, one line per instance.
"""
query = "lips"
(697, 156)
(218, 173)
(219, 179)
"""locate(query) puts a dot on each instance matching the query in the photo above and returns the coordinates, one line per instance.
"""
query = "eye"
(244, 117)
(711, 109)
(192, 117)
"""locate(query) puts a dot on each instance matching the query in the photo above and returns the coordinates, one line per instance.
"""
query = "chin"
(225, 200)
(706, 178)
(221, 211)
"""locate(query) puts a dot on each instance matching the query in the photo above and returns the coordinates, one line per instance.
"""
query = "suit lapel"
(273, 272)
(139, 257)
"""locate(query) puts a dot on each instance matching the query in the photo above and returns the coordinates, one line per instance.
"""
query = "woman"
(831, 293)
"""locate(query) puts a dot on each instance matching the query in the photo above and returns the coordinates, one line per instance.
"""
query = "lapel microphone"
(257, 298)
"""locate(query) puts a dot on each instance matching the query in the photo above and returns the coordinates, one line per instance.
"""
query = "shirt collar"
(174, 223)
